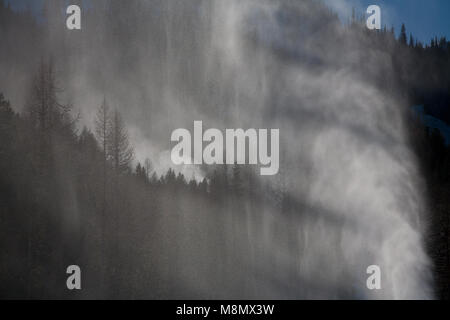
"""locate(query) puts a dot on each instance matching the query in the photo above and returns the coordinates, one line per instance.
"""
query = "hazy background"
(346, 162)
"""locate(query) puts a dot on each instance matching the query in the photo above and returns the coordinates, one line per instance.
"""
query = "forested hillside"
(73, 192)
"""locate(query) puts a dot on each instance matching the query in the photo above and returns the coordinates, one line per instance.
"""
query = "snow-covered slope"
(433, 122)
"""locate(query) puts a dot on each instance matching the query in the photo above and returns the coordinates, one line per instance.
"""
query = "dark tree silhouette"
(403, 38)
(120, 151)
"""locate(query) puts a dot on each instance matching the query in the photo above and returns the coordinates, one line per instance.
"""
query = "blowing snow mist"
(348, 193)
